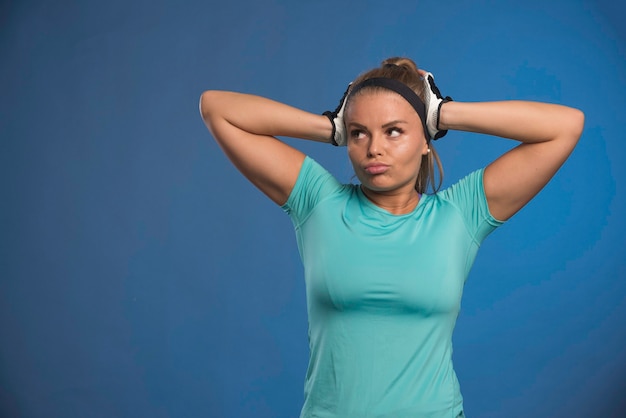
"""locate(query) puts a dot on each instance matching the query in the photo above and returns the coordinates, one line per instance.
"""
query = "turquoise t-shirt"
(383, 295)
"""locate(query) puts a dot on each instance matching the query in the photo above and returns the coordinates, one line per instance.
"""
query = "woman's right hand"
(433, 101)
(339, 136)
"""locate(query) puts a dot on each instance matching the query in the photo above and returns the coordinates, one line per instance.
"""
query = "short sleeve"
(313, 185)
(468, 195)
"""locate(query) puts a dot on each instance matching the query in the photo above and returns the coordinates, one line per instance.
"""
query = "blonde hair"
(405, 71)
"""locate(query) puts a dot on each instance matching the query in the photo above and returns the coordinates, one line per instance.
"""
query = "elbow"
(570, 127)
(576, 124)
(207, 104)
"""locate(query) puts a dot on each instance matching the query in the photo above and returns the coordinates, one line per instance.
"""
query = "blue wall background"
(142, 276)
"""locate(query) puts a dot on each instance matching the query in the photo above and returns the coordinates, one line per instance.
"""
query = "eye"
(357, 134)
(394, 132)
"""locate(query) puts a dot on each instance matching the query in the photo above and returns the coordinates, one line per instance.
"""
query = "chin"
(380, 188)
(386, 186)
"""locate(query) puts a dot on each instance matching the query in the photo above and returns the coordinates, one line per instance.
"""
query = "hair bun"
(402, 62)
(397, 68)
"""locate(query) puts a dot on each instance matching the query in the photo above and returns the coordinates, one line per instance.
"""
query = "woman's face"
(385, 141)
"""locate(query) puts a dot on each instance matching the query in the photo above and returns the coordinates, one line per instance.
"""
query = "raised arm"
(245, 127)
(548, 133)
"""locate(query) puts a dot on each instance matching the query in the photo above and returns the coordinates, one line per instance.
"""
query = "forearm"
(261, 116)
(528, 122)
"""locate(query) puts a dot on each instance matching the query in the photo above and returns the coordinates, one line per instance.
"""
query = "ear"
(426, 148)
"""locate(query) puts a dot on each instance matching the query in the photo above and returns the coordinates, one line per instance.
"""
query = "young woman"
(384, 262)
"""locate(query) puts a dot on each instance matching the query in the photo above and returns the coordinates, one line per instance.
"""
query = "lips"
(376, 168)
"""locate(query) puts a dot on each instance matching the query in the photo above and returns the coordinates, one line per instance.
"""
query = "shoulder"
(314, 176)
(470, 186)
(313, 185)
(467, 198)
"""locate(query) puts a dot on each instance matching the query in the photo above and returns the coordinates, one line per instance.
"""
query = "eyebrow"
(386, 125)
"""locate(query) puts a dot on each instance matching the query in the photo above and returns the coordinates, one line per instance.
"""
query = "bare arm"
(548, 133)
(245, 127)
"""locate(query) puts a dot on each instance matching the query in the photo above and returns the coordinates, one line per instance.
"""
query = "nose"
(376, 145)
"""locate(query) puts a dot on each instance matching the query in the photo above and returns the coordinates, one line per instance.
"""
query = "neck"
(396, 202)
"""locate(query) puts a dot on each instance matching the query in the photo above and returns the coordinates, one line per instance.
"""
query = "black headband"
(400, 88)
